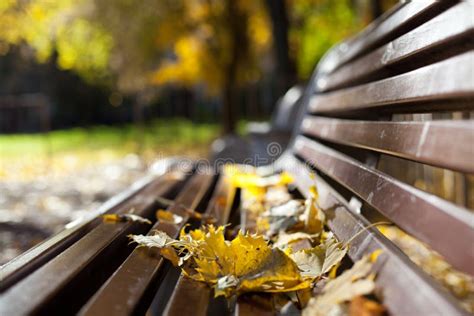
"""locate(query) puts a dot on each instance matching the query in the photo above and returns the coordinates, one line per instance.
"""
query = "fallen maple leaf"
(351, 283)
(245, 264)
(319, 260)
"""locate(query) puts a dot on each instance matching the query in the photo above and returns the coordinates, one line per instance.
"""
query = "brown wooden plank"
(130, 289)
(76, 272)
(419, 141)
(191, 297)
(445, 35)
(400, 284)
(24, 264)
(447, 228)
(449, 80)
(257, 304)
(32, 259)
(401, 19)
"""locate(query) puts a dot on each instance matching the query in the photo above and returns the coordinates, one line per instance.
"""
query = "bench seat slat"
(447, 34)
(399, 20)
(418, 141)
(427, 84)
(191, 297)
(447, 228)
(87, 257)
(26, 263)
(125, 292)
(397, 275)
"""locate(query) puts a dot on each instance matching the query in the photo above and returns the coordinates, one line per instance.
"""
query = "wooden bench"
(417, 58)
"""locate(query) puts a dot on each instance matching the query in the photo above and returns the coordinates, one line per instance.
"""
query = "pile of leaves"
(285, 248)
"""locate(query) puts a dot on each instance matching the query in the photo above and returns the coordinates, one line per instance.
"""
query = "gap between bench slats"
(403, 18)
(191, 297)
(397, 276)
(132, 287)
(426, 142)
(446, 35)
(427, 84)
(447, 228)
(78, 270)
(259, 303)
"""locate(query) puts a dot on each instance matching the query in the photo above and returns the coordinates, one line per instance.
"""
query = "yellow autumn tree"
(136, 45)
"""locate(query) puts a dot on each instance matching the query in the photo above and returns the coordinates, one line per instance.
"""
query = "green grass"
(160, 135)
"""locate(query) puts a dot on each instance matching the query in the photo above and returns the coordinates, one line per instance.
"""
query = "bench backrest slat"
(419, 58)
(417, 141)
(397, 275)
(424, 89)
(445, 35)
(401, 19)
(421, 214)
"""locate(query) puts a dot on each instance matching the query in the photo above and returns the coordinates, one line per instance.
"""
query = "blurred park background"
(92, 92)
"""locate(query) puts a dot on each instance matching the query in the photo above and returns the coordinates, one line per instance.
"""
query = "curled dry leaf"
(159, 240)
(351, 283)
(319, 260)
(114, 218)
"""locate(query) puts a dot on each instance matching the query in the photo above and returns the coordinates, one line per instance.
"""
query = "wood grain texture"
(421, 214)
(450, 80)
(427, 142)
(402, 286)
(443, 36)
(129, 290)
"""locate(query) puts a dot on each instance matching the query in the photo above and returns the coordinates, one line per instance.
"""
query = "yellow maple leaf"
(245, 264)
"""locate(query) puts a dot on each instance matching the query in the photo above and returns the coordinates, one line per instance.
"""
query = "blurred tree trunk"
(376, 8)
(238, 50)
(286, 71)
(138, 106)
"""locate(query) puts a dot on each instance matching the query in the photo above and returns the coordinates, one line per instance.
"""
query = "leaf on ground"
(115, 218)
(319, 260)
(350, 284)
